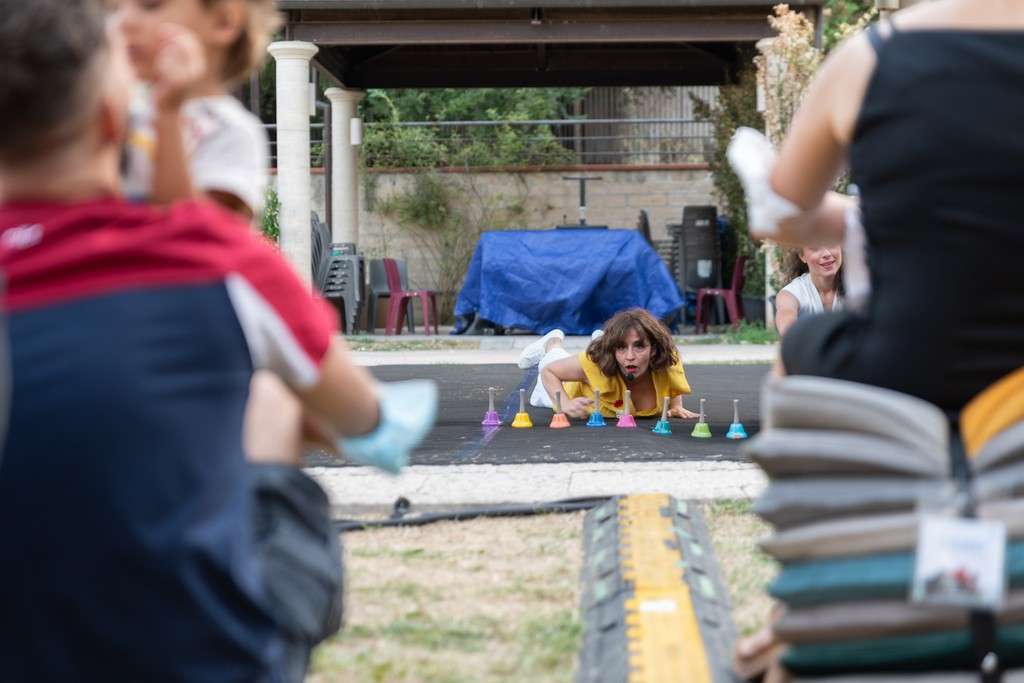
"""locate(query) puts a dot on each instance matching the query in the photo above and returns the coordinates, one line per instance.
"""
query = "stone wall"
(546, 200)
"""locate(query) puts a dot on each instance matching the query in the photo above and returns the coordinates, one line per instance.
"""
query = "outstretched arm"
(371, 423)
(345, 398)
(278, 418)
(566, 370)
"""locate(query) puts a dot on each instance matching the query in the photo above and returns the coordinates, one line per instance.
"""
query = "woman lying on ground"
(634, 351)
(815, 284)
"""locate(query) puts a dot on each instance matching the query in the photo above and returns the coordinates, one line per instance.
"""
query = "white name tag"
(960, 562)
(665, 606)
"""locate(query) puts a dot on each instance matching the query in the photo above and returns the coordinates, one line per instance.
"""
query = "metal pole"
(583, 194)
(583, 201)
(771, 71)
(577, 132)
(254, 93)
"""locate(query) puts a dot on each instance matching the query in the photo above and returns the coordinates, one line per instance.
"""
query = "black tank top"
(937, 153)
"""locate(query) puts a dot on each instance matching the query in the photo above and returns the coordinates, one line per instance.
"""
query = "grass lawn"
(745, 333)
(746, 571)
(494, 599)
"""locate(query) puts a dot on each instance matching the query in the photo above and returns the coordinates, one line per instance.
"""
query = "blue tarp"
(570, 279)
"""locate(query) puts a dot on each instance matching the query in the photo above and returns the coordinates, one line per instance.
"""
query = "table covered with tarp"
(573, 280)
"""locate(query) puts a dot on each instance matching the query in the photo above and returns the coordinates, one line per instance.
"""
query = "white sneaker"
(534, 351)
(596, 334)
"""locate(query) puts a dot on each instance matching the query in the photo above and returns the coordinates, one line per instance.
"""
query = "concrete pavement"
(469, 484)
(690, 353)
(485, 484)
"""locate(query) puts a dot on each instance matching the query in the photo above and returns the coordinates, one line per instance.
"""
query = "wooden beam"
(470, 5)
(540, 79)
(578, 13)
(505, 32)
(484, 67)
(332, 65)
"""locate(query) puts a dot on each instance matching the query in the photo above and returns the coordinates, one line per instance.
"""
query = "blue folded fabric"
(937, 651)
(876, 577)
(573, 280)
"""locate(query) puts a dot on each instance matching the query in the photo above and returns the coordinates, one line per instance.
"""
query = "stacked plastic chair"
(850, 468)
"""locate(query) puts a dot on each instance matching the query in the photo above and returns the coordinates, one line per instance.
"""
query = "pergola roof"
(526, 4)
(541, 43)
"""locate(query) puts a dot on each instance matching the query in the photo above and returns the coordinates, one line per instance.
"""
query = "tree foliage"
(465, 146)
(445, 214)
(506, 144)
(840, 16)
(270, 221)
(471, 104)
(737, 106)
(785, 69)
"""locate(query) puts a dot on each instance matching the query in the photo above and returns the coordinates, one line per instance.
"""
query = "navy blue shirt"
(125, 510)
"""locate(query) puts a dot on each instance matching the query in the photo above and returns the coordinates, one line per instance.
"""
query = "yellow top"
(671, 382)
(995, 409)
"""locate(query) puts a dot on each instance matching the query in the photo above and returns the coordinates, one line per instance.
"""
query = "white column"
(767, 77)
(293, 183)
(344, 165)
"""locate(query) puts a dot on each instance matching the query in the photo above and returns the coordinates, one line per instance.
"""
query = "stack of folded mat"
(850, 468)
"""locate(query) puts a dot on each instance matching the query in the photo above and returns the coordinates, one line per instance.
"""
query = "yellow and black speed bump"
(654, 607)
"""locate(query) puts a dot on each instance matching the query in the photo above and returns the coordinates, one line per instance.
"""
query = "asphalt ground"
(459, 439)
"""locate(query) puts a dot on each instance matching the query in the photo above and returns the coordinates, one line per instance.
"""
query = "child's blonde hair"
(249, 51)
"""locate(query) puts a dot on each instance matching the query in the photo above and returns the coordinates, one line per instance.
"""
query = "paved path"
(690, 353)
(484, 484)
(459, 439)
(457, 466)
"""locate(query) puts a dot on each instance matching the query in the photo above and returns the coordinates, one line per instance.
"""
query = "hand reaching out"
(681, 412)
(578, 407)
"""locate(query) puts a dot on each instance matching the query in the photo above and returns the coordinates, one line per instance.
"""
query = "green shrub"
(270, 223)
(426, 205)
(386, 145)
(445, 215)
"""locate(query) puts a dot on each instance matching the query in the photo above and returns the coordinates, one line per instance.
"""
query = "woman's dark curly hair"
(663, 349)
